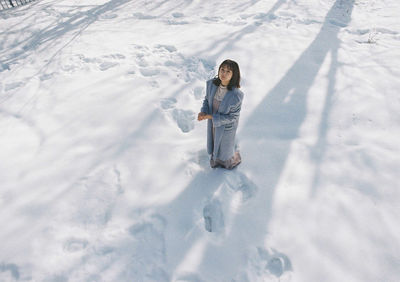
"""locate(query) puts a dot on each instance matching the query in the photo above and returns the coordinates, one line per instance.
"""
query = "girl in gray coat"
(221, 108)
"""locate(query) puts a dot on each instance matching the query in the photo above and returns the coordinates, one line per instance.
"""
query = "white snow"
(104, 174)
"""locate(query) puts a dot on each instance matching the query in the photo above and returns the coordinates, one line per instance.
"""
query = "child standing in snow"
(221, 107)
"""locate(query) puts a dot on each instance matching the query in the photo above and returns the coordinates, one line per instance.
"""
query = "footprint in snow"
(110, 64)
(213, 216)
(169, 48)
(168, 103)
(115, 56)
(212, 19)
(102, 63)
(108, 16)
(154, 84)
(131, 72)
(141, 16)
(184, 119)
(88, 60)
(107, 65)
(149, 72)
(141, 57)
(13, 86)
(75, 245)
(219, 212)
(275, 263)
(175, 22)
(46, 76)
(239, 182)
(178, 15)
(278, 265)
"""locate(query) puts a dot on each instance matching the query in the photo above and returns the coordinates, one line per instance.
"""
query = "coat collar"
(213, 91)
(224, 100)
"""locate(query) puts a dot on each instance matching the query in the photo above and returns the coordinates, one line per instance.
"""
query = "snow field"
(103, 169)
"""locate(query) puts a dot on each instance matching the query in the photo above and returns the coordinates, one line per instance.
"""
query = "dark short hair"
(235, 80)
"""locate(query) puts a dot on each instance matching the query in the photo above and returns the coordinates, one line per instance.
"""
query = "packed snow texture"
(104, 174)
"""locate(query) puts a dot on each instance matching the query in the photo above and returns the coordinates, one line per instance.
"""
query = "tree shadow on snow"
(276, 121)
(77, 22)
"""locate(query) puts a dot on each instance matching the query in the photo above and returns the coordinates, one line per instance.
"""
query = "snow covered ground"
(103, 170)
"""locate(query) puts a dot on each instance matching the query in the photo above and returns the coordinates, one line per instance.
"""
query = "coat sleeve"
(205, 107)
(232, 115)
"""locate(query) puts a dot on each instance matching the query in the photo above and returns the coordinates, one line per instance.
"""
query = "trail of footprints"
(165, 59)
(102, 63)
(175, 64)
(149, 63)
(217, 214)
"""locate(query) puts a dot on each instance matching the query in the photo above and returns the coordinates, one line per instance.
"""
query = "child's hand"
(201, 116)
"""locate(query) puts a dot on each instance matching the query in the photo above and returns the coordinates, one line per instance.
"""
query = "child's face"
(225, 75)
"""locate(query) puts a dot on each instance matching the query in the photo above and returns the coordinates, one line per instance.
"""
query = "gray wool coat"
(225, 121)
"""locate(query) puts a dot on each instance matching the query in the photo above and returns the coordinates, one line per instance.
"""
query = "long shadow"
(280, 114)
(276, 122)
(318, 152)
(273, 126)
